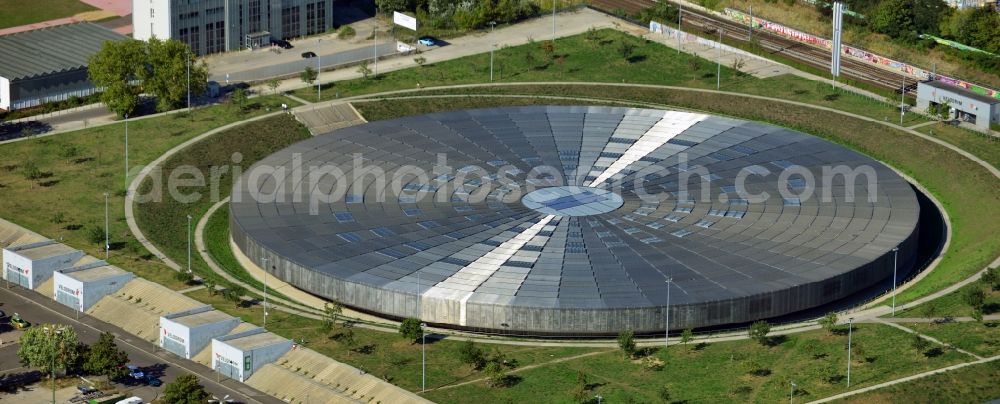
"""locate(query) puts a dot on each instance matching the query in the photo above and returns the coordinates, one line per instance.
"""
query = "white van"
(131, 400)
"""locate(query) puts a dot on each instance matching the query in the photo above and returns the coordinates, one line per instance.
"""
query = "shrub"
(346, 32)
(626, 342)
(470, 354)
(758, 331)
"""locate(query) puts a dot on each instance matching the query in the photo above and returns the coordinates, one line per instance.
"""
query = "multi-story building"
(211, 26)
(960, 4)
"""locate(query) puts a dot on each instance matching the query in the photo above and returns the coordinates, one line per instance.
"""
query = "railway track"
(709, 25)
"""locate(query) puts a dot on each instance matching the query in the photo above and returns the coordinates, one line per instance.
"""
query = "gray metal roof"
(460, 240)
(960, 91)
(51, 50)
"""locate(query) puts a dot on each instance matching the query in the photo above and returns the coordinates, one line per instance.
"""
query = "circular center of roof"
(572, 201)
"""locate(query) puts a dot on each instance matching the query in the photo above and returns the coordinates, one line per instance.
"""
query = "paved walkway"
(926, 337)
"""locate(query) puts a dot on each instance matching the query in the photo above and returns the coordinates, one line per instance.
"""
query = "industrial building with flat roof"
(238, 356)
(49, 64)
(186, 333)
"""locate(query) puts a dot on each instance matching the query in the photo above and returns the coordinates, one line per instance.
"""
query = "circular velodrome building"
(574, 220)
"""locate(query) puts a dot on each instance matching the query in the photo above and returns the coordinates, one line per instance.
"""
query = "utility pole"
(850, 334)
(718, 67)
(319, 86)
(895, 255)
(107, 243)
(666, 327)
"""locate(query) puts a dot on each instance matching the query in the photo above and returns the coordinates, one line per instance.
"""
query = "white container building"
(238, 356)
(29, 265)
(187, 332)
(81, 286)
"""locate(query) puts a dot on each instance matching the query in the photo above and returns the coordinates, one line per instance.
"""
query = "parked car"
(282, 44)
(151, 380)
(17, 322)
(308, 55)
(86, 389)
(427, 41)
(135, 372)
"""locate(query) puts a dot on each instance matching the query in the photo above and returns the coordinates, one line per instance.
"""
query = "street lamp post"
(493, 25)
(553, 21)
(189, 243)
(107, 243)
(850, 334)
(188, 56)
(895, 255)
(319, 87)
(680, 10)
(375, 50)
(55, 332)
(718, 64)
(265, 292)
(423, 357)
(792, 394)
(126, 152)
(666, 325)
(599, 398)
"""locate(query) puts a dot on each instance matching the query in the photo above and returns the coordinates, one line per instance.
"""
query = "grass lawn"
(217, 243)
(963, 187)
(974, 384)
(385, 354)
(164, 219)
(65, 200)
(982, 339)
(721, 372)
(953, 305)
(596, 58)
(20, 12)
(973, 142)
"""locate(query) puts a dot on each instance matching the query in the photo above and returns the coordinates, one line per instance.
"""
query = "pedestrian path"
(328, 117)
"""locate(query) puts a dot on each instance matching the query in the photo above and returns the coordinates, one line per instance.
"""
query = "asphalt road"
(37, 309)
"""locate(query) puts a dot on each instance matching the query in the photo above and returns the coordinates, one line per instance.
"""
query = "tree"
(626, 48)
(892, 17)
(829, 322)
(686, 336)
(239, 99)
(364, 70)
(664, 394)
(580, 389)
(548, 48)
(410, 329)
(991, 278)
(184, 276)
(105, 359)
(185, 390)
(759, 330)
(210, 286)
(330, 314)
(273, 85)
(388, 6)
(166, 75)
(234, 293)
(308, 75)
(974, 297)
(977, 314)
(118, 67)
(626, 342)
(919, 343)
(43, 346)
(471, 354)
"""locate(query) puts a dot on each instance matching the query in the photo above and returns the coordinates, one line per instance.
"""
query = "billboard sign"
(404, 20)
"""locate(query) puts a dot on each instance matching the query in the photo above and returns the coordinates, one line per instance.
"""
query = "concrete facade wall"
(170, 329)
(200, 337)
(90, 292)
(16, 262)
(226, 353)
(4, 93)
(62, 282)
(554, 320)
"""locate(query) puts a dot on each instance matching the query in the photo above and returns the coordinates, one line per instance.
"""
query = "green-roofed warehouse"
(49, 64)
